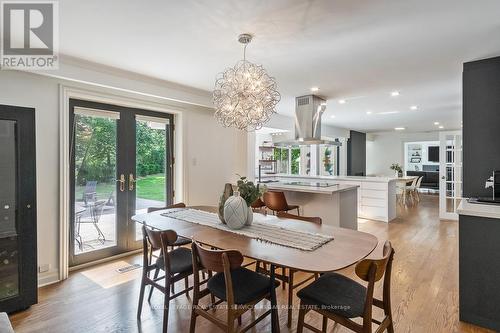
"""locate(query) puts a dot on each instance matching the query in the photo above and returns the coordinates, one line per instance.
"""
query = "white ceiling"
(354, 50)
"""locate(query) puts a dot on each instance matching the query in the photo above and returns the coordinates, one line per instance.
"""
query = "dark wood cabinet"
(18, 237)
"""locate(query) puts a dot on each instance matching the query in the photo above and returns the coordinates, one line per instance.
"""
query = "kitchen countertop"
(481, 210)
(310, 189)
(342, 178)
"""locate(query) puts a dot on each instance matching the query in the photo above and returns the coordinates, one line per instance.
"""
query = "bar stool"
(276, 201)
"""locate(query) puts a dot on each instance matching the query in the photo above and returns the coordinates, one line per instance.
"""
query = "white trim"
(114, 97)
(97, 113)
(140, 117)
(47, 279)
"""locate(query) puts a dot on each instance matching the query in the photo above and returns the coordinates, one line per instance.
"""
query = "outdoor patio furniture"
(89, 194)
(95, 212)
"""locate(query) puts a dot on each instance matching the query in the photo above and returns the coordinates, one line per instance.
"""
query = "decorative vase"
(397, 174)
(249, 217)
(228, 192)
(235, 212)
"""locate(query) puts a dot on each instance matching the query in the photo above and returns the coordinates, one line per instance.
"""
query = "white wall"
(211, 154)
(385, 148)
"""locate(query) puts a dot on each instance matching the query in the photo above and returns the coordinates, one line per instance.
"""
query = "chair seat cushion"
(181, 260)
(248, 285)
(182, 241)
(337, 294)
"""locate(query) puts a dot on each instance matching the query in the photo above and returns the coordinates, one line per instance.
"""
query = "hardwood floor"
(424, 288)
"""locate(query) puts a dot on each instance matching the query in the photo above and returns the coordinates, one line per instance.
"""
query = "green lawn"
(151, 187)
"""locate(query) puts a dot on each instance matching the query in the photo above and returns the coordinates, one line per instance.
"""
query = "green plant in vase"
(397, 169)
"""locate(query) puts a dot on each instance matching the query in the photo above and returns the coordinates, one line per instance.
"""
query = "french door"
(450, 174)
(121, 164)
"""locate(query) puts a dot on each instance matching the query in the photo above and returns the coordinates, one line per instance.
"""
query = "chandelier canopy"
(245, 96)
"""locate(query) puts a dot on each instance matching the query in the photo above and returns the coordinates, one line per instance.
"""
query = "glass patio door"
(120, 165)
(450, 172)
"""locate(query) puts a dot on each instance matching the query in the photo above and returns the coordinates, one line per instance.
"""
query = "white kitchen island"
(376, 196)
(335, 204)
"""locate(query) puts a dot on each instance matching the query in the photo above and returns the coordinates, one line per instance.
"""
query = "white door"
(450, 174)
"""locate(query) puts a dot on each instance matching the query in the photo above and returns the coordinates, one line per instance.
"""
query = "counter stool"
(276, 201)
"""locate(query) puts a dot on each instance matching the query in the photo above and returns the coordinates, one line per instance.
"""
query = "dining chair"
(276, 201)
(340, 298)
(180, 240)
(239, 287)
(177, 265)
(289, 278)
(417, 188)
(410, 190)
(258, 206)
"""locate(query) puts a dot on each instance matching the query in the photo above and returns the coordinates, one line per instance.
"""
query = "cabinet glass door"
(9, 240)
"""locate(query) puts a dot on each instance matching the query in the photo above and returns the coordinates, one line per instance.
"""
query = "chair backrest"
(275, 201)
(414, 182)
(313, 219)
(213, 260)
(177, 205)
(365, 266)
(96, 210)
(419, 181)
(159, 239)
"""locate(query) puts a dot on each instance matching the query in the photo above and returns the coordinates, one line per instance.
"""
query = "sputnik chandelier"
(245, 96)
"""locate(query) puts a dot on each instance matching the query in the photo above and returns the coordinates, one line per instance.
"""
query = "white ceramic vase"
(235, 211)
(249, 217)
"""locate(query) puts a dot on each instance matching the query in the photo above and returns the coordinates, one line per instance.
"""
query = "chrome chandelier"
(245, 96)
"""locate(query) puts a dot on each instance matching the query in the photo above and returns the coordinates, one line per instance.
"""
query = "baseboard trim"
(47, 279)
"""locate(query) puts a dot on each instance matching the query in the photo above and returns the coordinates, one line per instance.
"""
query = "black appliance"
(18, 250)
(433, 154)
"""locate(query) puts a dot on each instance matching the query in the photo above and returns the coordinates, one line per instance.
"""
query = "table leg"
(275, 326)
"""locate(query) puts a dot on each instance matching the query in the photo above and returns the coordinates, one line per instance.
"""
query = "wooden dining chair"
(177, 265)
(258, 206)
(180, 240)
(288, 277)
(339, 298)
(276, 201)
(239, 287)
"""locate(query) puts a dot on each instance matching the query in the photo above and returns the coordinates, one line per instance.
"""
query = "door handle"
(122, 182)
(131, 182)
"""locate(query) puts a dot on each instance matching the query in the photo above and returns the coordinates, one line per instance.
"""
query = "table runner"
(265, 231)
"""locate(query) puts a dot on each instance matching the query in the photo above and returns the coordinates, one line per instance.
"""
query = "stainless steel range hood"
(308, 112)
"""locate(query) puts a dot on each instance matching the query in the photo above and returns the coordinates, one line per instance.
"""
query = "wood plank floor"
(424, 288)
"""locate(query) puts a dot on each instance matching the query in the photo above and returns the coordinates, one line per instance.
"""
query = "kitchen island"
(376, 196)
(336, 204)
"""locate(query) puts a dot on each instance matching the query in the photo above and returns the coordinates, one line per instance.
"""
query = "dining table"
(345, 249)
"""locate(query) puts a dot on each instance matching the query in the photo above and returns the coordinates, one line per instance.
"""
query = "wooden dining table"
(347, 247)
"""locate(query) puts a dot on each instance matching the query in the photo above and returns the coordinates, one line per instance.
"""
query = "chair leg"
(186, 285)
(157, 271)
(325, 324)
(283, 275)
(290, 297)
(300, 322)
(298, 212)
(192, 325)
(239, 320)
(165, 307)
(141, 299)
(390, 328)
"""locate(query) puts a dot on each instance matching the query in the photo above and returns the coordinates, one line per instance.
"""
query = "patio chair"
(89, 194)
(95, 210)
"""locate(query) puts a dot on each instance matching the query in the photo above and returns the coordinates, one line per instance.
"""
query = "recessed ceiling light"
(368, 112)
(314, 89)
(341, 101)
(399, 128)
(441, 127)
(436, 123)
(332, 116)
(395, 93)
(388, 112)
(414, 107)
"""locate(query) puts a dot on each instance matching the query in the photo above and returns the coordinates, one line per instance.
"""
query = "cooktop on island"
(310, 184)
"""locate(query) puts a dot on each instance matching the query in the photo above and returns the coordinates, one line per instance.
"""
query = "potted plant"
(397, 169)
(249, 192)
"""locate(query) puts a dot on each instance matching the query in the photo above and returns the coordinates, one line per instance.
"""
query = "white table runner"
(265, 231)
